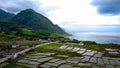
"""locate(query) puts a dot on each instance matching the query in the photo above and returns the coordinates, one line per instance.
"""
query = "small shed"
(16, 46)
(81, 43)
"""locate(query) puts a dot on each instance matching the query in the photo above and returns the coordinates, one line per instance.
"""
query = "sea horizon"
(98, 37)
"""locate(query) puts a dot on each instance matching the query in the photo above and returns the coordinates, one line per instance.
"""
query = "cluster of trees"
(29, 35)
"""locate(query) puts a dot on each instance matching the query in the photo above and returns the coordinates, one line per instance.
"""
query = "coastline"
(98, 37)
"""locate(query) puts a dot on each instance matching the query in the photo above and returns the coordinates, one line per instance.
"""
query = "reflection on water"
(99, 37)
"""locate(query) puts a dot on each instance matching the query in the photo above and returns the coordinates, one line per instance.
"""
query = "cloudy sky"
(73, 15)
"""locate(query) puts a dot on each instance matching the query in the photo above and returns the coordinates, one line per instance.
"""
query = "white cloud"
(74, 13)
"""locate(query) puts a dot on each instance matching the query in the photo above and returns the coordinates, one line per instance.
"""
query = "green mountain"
(31, 19)
(5, 24)
(28, 24)
(5, 15)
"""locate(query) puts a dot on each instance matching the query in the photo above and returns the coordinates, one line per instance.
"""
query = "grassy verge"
(54, 47)
(14, 66)
(100, 47)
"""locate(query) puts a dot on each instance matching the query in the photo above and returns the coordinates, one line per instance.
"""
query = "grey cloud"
(14, 6)
(107, 7)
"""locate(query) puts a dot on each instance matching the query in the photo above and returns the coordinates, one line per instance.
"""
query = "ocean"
(99, 37)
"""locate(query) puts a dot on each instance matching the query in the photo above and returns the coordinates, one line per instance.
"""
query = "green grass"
(55, 47)
(14, 66)
(99, 47)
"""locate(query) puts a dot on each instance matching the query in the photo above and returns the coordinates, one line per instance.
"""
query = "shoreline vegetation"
(96, 46)
(87, 44)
